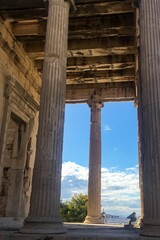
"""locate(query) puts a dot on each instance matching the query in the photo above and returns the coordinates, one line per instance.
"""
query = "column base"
(11, 223)
(43, 227)
(94, 220)
(150, 230)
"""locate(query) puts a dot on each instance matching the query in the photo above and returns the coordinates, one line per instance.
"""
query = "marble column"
(149, 114)
(94, 183)
(44, 215)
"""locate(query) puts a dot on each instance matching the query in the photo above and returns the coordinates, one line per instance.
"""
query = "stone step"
(80, 232)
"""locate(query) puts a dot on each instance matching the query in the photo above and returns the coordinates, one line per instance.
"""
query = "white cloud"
(107, 128)
(132, 169)
(120, 189)
(73, 169)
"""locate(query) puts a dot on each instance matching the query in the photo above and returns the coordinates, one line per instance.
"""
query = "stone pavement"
(82, 232)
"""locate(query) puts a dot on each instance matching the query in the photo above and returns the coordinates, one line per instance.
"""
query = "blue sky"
(120, 191)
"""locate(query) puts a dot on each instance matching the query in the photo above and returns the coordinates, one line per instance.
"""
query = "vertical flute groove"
(150, 107)
(45, 197)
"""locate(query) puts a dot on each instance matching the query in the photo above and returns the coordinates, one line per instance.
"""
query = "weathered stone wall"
(9, 154)
(1, 93)
(1, 104)
(28, 169)
(19, 95)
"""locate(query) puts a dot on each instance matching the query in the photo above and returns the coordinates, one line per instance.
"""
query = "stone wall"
(1, 93)
(28, 169)
(19, 97)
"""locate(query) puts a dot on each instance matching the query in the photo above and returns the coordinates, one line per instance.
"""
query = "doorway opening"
(120, 195)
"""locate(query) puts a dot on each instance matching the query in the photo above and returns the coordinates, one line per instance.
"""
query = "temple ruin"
(54, 52)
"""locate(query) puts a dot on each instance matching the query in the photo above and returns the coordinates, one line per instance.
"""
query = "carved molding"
(20, 99)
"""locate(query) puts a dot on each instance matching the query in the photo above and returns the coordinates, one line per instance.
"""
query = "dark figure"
(132, 218)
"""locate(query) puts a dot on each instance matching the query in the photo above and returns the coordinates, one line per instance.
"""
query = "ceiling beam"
(89, 47)
(114, 91)
(23, 12)
(101, 52)
(19, 4)
(92, 61)
(100, 80)
(37, 55)
(77, 44)
(39, 29)
(29, 28)
(96, 22)
(78, 2)
(104, 23)
(103, 32)
(104, 43)
(103, 8)
(82, 62)
(101, 67)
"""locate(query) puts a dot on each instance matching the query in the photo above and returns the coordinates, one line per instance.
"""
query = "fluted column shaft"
(45, 197)
(94, 183)
(149, 106)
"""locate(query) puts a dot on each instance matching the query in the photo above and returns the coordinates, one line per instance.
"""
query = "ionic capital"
(61, 2)
(95, 101)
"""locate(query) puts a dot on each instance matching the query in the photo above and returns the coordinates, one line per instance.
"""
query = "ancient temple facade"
(56, 52)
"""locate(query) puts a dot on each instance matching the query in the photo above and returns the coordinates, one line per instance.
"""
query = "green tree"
(74, 210)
